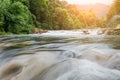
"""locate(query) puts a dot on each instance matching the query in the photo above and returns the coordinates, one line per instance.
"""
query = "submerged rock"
(10, 70)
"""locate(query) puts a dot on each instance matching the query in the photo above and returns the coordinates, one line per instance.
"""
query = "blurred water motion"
(60, 55)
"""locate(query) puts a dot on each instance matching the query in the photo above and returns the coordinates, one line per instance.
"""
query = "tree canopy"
(22, 16)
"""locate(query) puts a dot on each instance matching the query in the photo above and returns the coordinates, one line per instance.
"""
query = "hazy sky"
(89, 1)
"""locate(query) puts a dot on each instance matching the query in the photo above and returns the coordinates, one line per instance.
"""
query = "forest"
(23, 16)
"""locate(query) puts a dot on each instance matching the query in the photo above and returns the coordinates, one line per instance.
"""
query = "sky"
(89, 1)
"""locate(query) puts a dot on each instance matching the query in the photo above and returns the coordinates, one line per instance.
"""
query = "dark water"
(60, 55)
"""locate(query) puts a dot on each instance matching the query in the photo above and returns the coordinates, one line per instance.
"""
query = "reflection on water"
(60, 55)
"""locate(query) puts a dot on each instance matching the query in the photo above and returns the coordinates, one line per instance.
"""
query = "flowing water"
(60, 55)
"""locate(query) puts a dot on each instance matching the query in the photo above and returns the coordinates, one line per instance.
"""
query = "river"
(60, 55)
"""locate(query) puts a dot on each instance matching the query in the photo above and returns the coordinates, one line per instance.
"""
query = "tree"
(114, 10)
(15, 17)
(113, 14)
(40, 9)
(19, 18)
(4, 5)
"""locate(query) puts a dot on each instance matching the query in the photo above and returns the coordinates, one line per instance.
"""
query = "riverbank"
(97, 31)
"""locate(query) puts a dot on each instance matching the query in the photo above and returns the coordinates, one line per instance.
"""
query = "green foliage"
(101, 22)
(15, 17)
(114, 22)
(40, 9)
(4, 5)
(1, 22)
(113, 16)
(24, 2)
(114, 10)
(117, 7)
(21, 16)
(3, 33)
(53, 14)
(87, 18)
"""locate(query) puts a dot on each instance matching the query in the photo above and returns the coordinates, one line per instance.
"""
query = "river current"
(60, 55)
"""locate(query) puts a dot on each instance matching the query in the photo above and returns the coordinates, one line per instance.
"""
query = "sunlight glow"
(89, 1)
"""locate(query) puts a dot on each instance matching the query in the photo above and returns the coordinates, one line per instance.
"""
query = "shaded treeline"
(22, 16)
